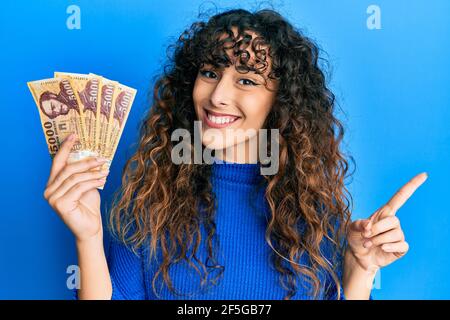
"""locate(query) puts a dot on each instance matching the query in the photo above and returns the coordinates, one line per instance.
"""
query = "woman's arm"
(357, 282)
(376, 242)
(119, 276)
(72, 192)
(95, 281)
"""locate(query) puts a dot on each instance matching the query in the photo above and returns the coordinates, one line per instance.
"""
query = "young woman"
(224, 230)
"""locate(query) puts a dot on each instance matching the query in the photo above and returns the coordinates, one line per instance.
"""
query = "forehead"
(51, 101)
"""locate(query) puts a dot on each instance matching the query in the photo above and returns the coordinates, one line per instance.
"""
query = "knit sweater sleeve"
(332, 292)
(126, 273)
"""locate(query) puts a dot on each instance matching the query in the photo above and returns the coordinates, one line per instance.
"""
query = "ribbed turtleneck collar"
(246, 173)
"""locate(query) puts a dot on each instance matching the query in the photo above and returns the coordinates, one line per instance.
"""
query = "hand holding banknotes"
(82, 117)
(91, 106)
(72, 191)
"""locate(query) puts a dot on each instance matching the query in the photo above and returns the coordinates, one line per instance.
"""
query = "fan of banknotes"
(93, 107)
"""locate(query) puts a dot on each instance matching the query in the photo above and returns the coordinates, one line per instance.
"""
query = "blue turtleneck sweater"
(241, 220)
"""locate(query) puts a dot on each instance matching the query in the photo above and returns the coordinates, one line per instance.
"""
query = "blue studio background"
(393, 82)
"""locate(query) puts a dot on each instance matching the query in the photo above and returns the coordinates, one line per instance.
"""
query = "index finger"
(403, 194)
(60, 159)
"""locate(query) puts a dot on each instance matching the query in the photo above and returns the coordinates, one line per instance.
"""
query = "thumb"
(60, 159)
(360, 225)
(368, 224)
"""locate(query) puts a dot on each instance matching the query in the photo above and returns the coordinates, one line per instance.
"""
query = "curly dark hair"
(159, 201)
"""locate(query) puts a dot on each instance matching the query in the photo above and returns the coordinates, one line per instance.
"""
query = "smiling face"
(229, 102)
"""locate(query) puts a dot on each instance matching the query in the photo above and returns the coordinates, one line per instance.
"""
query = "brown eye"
(206, 72)
(251, 82)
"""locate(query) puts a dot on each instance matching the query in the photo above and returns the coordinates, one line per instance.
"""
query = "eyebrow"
(221, 68)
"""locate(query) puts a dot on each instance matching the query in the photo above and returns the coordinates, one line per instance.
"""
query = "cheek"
(256, 111)
(199, 93)
(195, 91)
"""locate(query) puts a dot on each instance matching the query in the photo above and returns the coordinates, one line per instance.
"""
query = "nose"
(223, 93)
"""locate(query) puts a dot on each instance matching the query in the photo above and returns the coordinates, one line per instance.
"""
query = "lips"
(219, 120)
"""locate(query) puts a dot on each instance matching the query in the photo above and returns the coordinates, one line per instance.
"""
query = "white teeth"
(220, 120)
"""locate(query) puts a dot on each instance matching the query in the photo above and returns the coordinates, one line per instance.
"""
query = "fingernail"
(386, 247)
(70, 137)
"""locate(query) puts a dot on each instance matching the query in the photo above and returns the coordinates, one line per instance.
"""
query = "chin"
(213, 139)
(218, 139)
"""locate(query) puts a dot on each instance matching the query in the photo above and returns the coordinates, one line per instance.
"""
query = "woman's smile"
(218, 120)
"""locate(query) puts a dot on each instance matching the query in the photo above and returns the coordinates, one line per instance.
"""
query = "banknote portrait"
(121, 106)
(54, 105)
(88, 95)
